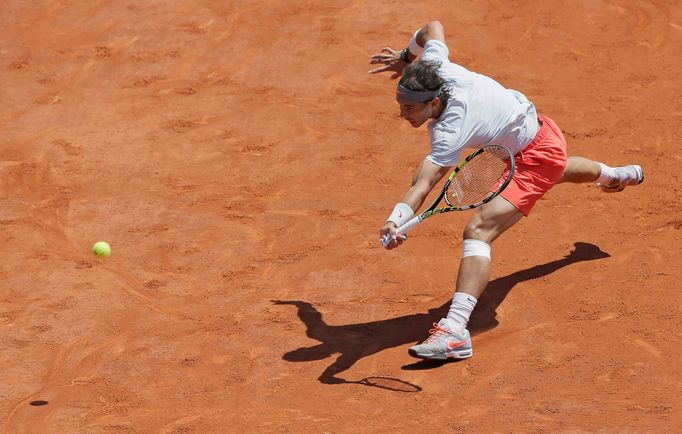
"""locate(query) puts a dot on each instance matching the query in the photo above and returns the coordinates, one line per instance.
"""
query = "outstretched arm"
(396, 61)
(427, 176)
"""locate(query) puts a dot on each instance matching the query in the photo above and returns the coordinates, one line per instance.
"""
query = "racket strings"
(479, 178)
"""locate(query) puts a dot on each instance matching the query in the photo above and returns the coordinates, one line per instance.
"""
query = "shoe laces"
(436, 332)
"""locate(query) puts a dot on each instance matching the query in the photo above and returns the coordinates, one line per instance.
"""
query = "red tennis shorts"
(538, 167)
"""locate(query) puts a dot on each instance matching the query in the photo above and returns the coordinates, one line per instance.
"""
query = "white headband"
(409, 95)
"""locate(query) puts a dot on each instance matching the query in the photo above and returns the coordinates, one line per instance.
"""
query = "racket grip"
(401, 230)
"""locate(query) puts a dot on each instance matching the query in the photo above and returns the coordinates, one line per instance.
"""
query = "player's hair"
(423, 76)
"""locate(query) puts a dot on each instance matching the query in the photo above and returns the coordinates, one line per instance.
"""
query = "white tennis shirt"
(479, 112)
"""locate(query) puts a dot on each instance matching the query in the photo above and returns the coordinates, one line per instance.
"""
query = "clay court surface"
(240, 161)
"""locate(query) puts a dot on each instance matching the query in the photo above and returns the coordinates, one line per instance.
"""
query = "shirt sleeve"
(435, 50)
(446, 140)
(444, 156)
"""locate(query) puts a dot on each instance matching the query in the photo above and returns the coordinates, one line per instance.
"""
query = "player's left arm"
(396, 61)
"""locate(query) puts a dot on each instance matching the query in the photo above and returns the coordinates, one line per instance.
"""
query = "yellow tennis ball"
(101, 249)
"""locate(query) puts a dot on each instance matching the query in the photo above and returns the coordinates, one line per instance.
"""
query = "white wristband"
(413, 47)
(401, 214)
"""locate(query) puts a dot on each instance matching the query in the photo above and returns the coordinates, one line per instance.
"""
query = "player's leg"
(608, 179)
(580, 170)
(488, 223)
(450, 338)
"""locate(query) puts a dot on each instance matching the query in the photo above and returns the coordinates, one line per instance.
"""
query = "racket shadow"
(353, 342)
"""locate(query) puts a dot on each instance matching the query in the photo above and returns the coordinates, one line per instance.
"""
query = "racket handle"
(401, 230)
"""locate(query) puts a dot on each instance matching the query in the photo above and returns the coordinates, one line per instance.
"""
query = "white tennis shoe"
(444, 343)
(626, 175)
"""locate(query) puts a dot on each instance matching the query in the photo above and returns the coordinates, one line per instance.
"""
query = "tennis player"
(469, 110)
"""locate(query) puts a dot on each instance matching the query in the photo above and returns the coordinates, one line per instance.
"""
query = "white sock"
(607, 175)
(460, 309)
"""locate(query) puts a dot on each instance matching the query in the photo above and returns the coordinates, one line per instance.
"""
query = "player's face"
(416, 113)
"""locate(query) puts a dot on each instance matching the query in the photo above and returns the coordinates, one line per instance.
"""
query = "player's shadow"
(355, 341)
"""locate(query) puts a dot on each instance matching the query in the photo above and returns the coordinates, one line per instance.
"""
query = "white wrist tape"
(475, 248)
(401, 214)
(413, 47)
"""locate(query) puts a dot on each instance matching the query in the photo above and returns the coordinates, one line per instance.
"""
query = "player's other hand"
(396, 240)
(391, 60)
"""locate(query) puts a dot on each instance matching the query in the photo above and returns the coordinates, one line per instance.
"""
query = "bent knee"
(476, 229)
(491, 220)
(483, 229)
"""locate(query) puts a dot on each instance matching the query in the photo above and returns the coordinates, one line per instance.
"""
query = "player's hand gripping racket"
(476, 180)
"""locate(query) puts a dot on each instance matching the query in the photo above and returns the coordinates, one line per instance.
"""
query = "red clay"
(234, 155)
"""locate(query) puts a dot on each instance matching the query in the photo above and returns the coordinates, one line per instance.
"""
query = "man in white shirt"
(469, 110)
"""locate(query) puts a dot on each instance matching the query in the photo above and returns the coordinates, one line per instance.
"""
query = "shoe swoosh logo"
(456, 344)
(400, 214)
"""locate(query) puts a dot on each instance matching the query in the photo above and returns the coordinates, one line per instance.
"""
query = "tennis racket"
(475, 181)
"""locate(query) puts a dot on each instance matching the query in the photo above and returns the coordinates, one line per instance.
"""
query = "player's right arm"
(427, 176)
(392, 60)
